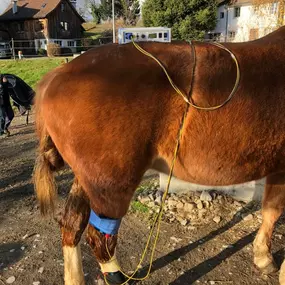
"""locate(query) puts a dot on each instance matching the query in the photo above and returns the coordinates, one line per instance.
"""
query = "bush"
(53, 50)
(42, 52)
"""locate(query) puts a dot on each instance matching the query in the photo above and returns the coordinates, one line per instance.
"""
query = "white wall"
(3, 5)
(264, 19)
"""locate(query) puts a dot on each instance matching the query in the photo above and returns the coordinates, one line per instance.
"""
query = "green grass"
(137, 206)
(30, 70)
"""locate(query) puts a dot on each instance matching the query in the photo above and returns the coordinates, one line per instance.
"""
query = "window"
(253, 34)
(237, 12)
(70, 43)
(273, 8)
(222, 15)
(64, 26)
(232, 34)
(20, 27)
(58, 42)
(62, 6)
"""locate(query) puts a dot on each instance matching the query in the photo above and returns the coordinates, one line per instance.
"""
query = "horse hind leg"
(73, 223)
(272, 208)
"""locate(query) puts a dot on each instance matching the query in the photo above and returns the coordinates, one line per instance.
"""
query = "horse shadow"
(10, 253)
(195, 273)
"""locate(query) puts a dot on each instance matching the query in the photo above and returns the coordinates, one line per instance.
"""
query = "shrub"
(53, 50)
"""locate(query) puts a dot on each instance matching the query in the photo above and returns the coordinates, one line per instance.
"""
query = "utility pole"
(114, 28)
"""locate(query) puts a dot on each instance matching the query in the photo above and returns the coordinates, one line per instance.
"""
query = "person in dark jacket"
(6, 113)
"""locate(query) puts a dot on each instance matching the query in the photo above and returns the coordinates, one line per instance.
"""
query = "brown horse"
(111, 114)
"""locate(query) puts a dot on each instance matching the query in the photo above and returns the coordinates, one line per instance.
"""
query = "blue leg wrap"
(104, 225)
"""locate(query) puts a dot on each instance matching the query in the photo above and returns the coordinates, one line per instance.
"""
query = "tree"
(189, 19)
(126, 9)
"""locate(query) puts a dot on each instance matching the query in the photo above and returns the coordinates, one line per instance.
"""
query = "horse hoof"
(115, 278)
(269, 269)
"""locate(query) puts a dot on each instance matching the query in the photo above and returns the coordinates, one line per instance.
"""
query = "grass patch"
(30, 70)
(137, 206)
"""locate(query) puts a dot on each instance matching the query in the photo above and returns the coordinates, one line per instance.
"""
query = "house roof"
(33, 9)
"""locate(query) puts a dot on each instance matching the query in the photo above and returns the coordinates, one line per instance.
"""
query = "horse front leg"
(102, 235)
(272, 208)
(73, 223)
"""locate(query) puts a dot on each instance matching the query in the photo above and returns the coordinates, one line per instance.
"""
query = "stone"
(36, 283)
(176, 240)
(202, 213)
(206, 196)
(184, 222)
(172, 203)
(11, 280)
(145, 200)
(207, 204)
(200, 205)
(41, 270)
(217, 219)
(189, 207)
(158, 200)
(246, 217)
(237, 204)
(151, 197)
(179, 205)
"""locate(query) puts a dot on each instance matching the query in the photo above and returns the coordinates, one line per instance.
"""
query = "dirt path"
(201, 254)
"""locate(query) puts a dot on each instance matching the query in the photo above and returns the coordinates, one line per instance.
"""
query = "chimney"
(15, 7)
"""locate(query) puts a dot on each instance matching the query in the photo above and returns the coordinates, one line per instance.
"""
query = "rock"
(151, 197)
(179, 205)
(237, 204)
(191, 228)
(145, 200)
(172, 203)
(41, 270)
(206, 196)
(182, 221)
(25, 236)
(202, 213)
(176, 240)
(207, 204)
(200, 205)
(189, 207)
(22, 248)
(246, 217)
(158, 200)
(36, 283)
(212, 282)
(11, 280)
(172, 219)
(217, 219)
(279, 236)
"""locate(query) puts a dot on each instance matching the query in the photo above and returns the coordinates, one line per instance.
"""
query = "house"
(242, 20)
(32, 24)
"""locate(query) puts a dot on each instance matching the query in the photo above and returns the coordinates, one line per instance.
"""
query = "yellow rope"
(158, 217)
(188, 101)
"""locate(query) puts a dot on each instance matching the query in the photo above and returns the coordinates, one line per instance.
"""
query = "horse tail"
(48, 161)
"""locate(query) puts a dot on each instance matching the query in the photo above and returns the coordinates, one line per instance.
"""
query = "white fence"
(40, 47)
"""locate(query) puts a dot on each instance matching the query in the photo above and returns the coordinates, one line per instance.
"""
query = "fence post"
(13, 49)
